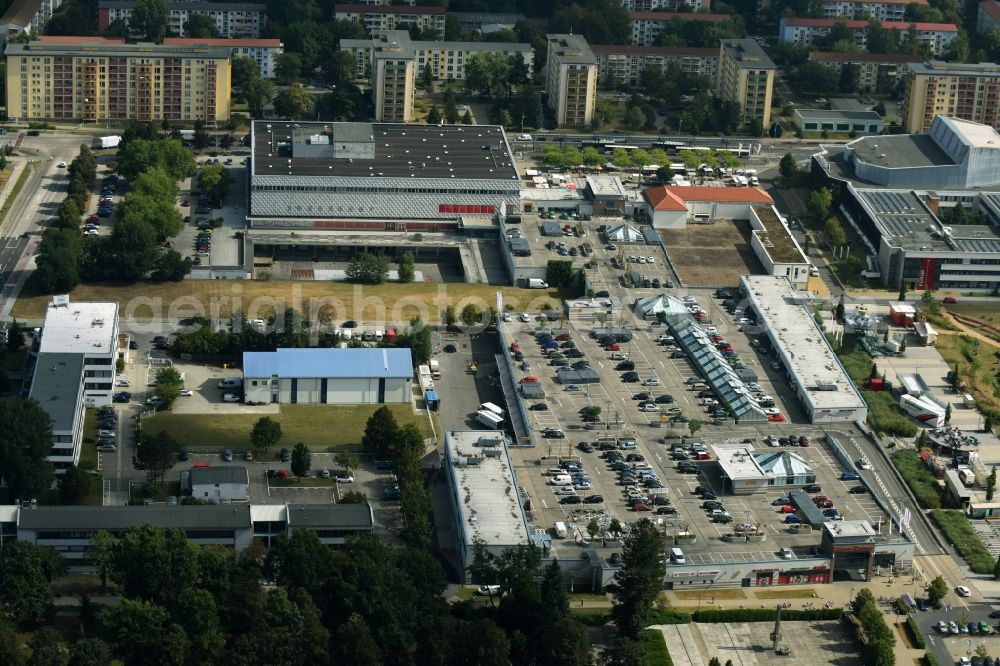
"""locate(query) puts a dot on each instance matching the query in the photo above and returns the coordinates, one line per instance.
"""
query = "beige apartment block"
(746, 76)
(970, 91)
(571, 80)
(394, 79)
(107, 81)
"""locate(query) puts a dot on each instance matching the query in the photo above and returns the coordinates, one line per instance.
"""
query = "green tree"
(265, 434)
(200, 26)
(427, 76)
(819, 203)
(380, 431)
(354, 644)
(788, 166)
(639, 578)
(450, 317)
(157, 454)
(472, 315)
(258, 92)
(24, 448)
(937, 590)
(487, 72)
(153, 564)
(170, 266)
(47, 648)
(368, 268)
(406, 267)
(559, 273)
(215, 181)
(929, 303)
(143, 635)
(74, 485)
(149, 20)
(591, 157)
(694, 425)
(622, 651)
(991, 483)
(301, 560)
(467, 117)
(15, 336)
(947, 414)
(620, 157)
(26, 573)
(346, 460)
(301, 460)
(434, 116)
(835, 232)
(288, 69)
(635, 118)
(138, 155)
(89, 652)
(102, 554)
(168, 385)
(593, 528)
(158, 214)
(294, 103)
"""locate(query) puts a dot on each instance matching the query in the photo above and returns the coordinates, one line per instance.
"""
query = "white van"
(677, 556)
(560, 529)
(231, 383)
(561, 480)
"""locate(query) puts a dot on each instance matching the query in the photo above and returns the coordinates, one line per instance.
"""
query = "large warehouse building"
(328, 376)
(823, 388)
(378, 176)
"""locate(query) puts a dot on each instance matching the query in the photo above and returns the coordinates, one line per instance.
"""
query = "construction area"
(711, 254)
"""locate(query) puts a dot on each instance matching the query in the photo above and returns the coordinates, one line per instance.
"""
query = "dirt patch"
(712, 254)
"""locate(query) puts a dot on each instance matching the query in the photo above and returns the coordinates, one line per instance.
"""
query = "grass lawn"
(319, 301)
(693, 595)
(977, 364)
(465, 592)
(18, 186)
(958, 530)
(654, 648)
(920, 479)
(884, 414)
(807, 593)
(320, 427)
(88, 448)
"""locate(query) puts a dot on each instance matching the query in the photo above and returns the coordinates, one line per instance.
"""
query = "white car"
(123, 381)
(524, 137)
(90, 232)
(649, 260)
(506, 316)
(154, 400)
(104, 432)
(62, 165)
(525, 317)
(642, 260)
(652, 381)
(963, 591)
(743, 321)
(566, 490)
(649, 407)
(230, 397)
(617, 356)
(344, 478)
(785, 553)
(187, 393)
(583, 485)
(864, 464)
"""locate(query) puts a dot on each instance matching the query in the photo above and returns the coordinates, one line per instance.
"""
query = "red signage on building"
(928, 273)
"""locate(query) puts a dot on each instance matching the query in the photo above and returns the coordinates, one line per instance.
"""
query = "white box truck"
(489, 419)
(104, 142)
(537, 283)
(435, 369)
(560, 530)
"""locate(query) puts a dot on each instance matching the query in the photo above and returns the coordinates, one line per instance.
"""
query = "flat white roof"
(80, 328)
(487, 493)
(849, 528)
(738, 463)
(801, 343)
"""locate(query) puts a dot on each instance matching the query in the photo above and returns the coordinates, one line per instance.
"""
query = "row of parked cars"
(641, 487)
(107, 429)
(568, 480)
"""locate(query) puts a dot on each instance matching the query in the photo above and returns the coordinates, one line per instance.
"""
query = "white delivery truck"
(490, 420)
(560, 530)
(435, 369)
(104, 142)
(537, 283)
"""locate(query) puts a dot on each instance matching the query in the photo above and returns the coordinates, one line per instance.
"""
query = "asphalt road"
(11, 249)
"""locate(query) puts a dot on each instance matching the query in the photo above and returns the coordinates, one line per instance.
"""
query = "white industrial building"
(740, 470)
(328, 376)
(484, 494)
(220, 485)
(820, 383)
(74, 369)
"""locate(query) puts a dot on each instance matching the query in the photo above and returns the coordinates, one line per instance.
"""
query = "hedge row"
(654, 648)
(901, 607)
(958, 530)
(921, 480)
(766, 615)
(929, 659)
(918, 638)
(669, 616)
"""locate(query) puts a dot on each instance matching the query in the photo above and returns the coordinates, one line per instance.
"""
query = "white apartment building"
(232, 20)
(378, 18)
(880, 10)
(571, 80)
(264, 51)
(74, 369)
(647, 25)
(937, 36)
(617, 64)
(663, 5)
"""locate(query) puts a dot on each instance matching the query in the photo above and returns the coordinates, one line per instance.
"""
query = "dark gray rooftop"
(191, 6)
(121, 517)
(381, 149)
(906, 150)
(748, 53)
(571, 49)
(56, 385)
(843, 115)
(357, 516)
(214, 475)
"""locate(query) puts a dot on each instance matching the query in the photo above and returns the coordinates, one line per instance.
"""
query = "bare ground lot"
(712, 254)
(825, 642)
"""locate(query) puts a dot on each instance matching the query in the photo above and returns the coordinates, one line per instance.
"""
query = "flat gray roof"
(823, 114)
(357, 516)
(56, 386)
(111, 50)
(748, 53)
(381, 149)
(898, 152)
(84, 518)
(216, 475)
(571, 49)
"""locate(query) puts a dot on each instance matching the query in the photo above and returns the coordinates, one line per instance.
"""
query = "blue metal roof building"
(333, 376)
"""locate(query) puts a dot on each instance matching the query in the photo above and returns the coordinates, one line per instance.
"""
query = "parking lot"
(824, 642)
(621, 416)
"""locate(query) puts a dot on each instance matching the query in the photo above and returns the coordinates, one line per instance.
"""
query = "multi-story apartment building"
(379, 18)
(392, 66)
(876, 73)
(263, 51)
(647, 26)
(664, 5)
(967, 91)
(97, 81)
(989, 16)
(624, 64)
(27, 16)
(937, 36)
(485, 22)
(447, 60)
(746, 76)
(75, 368)
(232, 20)
(880, 10)
(571, 80)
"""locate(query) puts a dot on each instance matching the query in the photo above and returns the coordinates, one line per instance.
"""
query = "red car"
(563, 337)
(641, 507)
(824, 505)
(94, 218)
(820, 498)
(775, 418)
(788, 509)
(613, 347)
(949, 300)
